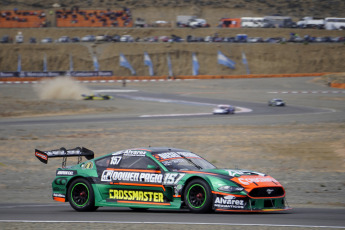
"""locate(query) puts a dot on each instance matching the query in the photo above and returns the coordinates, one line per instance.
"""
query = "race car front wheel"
(81, 196)
(198, 196)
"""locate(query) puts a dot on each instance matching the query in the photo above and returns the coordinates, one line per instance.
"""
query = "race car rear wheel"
(198, 196)
(81, 196)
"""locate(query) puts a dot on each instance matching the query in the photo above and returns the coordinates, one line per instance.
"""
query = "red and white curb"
(309, 92)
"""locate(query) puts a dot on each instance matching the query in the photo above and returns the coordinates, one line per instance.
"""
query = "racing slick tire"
(198, 196)
(81, 196)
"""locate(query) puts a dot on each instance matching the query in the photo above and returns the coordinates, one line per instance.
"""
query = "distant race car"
(160, 177)
(96, 97)
(224, 109)
(276, 102)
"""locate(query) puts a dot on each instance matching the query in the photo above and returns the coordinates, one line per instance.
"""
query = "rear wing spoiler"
(62, 152)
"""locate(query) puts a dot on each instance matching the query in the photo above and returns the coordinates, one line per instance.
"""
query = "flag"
(148, 62)
(245, 62)
(45, 63)
(195, 65)
(223, 60)
(169, 66)
(19, 66)
(95, 63)
(126, 64)
(71, 63)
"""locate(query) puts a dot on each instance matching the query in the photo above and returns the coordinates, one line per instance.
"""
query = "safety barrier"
(338, 85)
(162, 78)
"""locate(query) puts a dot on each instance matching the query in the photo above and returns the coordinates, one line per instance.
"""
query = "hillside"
(262, 58)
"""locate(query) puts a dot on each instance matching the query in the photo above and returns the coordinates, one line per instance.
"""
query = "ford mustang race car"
(276, 102)
(160, 177)
(224, 109)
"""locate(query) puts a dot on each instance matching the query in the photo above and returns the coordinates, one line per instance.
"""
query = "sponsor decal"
(58, 195)
(88, 165)
(249, 180)
(66, 172)
(8, 74)
(234, 173)
(44, 157)
(169, 155)
(129, 152)
(111, 175)
(117, 153)
(229, 202)
(57, 73)
(134, 195)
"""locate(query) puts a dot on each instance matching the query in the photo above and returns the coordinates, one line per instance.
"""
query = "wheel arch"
(72, 180)
(206, 179)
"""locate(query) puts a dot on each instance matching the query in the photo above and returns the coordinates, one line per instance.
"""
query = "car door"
(134, 179)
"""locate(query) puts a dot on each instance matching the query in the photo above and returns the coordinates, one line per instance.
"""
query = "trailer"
(310, 22)
(190, 21)
(183, 20)
(278, 22)
(335, 23)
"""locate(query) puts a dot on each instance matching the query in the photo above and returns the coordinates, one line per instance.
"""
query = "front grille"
(267, 192)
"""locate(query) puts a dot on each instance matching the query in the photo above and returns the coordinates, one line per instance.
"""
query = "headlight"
(227, 188)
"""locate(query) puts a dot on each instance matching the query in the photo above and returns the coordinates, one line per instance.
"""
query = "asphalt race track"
(193, 108)
(244, 108)
(63, 213)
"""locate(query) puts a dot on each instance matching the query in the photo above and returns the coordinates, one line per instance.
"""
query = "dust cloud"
(61, 88)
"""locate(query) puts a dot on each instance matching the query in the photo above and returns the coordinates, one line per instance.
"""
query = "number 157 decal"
(172, 178)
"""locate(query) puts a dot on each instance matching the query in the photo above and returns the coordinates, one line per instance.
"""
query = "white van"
(19, 38)
(252, 22)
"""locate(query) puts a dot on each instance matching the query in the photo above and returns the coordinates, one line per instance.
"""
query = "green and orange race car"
(160, 177)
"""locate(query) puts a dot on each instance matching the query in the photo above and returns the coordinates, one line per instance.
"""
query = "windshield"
(182, 161)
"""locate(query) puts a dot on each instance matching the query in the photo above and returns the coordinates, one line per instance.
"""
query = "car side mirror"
(152, 167)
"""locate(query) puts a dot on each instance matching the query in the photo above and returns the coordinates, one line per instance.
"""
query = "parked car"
(5, 39)
(116, 38)
(47, 40)
(75, 39)
(126, 38)
(32, 40)
(63, 39)
(88, 38)
(101, 38)
(254, 39)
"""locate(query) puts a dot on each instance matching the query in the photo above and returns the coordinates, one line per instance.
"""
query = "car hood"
(219, 110)
(247, 178)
